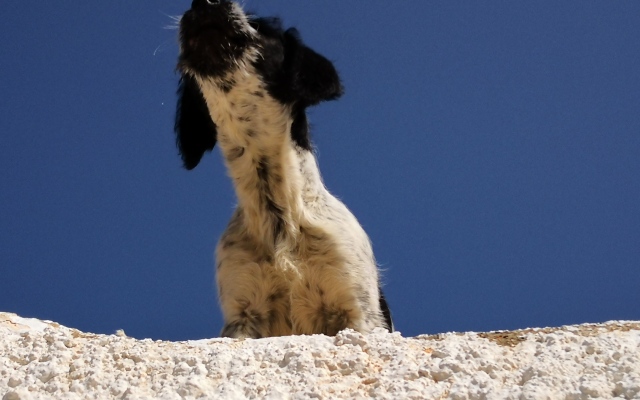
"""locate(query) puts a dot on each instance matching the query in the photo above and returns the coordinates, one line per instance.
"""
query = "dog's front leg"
(255, 300)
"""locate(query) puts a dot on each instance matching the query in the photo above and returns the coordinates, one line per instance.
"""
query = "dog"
(293, 259)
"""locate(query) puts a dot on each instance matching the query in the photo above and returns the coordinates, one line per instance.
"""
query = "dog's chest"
(245, 114)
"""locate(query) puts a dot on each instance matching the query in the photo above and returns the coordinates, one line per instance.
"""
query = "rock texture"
(44, 360)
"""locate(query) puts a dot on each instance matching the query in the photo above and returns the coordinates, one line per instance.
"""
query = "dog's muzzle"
(214, 35)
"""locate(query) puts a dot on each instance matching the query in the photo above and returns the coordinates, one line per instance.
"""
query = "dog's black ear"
(315, 79)
(195, 130)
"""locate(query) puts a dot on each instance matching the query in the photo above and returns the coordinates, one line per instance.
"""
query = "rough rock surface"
(44, 360)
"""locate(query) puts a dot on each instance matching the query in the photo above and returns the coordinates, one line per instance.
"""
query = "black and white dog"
(293, 259)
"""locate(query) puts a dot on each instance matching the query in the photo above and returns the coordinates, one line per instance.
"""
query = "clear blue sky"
(490, 149)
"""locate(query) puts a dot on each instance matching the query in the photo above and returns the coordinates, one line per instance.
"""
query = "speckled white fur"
(320, 276)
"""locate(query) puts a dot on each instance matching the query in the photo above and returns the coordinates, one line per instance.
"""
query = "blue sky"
(490, 149)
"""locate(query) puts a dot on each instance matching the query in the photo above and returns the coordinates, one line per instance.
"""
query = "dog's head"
(216, 40)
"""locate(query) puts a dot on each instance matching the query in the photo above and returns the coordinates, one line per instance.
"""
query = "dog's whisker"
(176, 18)
(175, 24)
(160, 47)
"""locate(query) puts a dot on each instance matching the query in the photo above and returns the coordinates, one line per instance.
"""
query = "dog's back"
(293, 260)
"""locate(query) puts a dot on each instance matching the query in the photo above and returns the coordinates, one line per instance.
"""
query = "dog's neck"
(272, 176)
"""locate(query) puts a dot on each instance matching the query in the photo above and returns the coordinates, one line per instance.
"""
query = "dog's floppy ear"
(315, 79)
(195, 131)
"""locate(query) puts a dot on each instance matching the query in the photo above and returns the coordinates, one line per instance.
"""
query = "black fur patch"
(241, 327)
(386, 312)
(227, 85)
(195, 131)
(270, 204)
(300, 130)
(294, 73)
(235, 153)
(277, 296)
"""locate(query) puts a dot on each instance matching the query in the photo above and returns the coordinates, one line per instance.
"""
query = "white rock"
(44, 360)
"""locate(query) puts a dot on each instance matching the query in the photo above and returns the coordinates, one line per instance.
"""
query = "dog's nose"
(203, 3)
